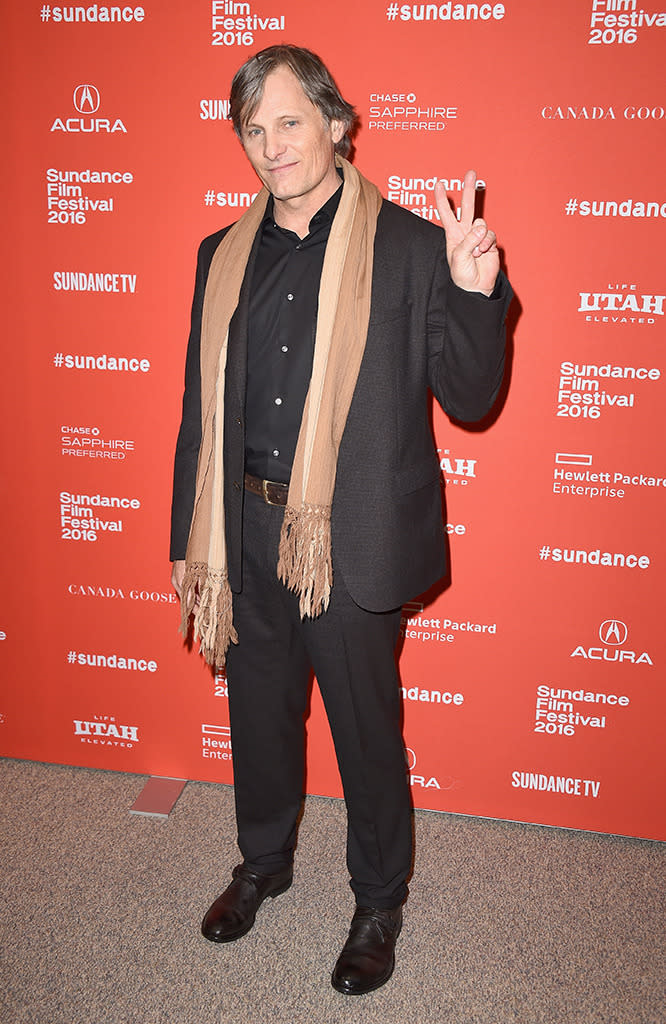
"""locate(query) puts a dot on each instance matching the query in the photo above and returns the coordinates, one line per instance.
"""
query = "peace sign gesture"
(471, 247)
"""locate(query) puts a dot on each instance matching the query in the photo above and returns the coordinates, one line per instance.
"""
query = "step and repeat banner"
(533, 683)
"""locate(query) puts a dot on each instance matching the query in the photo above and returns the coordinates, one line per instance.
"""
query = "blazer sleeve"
(466, 343)
(189, 435)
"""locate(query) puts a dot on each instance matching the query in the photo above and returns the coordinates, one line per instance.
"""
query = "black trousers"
(352, 653)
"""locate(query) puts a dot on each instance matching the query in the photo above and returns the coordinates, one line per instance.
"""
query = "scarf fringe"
(304, 557)
(206, 594)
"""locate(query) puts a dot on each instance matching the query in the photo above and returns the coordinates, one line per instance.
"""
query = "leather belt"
(271, 491)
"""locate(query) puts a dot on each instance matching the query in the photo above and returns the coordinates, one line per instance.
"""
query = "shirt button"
(285, 348)
(278, 401)
(276, 452)
(289, 297)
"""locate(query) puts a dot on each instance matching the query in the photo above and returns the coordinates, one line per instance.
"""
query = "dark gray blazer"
(424, 332)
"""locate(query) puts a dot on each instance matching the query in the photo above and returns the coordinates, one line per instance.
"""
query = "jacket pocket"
(421, 473)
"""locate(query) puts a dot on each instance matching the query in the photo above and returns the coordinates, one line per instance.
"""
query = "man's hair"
(316, 81)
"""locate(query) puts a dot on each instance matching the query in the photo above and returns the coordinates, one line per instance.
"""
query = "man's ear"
(337, 130)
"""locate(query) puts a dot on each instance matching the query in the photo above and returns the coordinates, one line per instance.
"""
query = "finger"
(485, 244)
(474, 238)
(468, 200)
(446, 214)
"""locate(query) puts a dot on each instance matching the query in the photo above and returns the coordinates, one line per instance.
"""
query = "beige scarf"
(304, 560)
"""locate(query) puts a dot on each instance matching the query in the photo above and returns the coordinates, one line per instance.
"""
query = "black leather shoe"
(367, 958)
(233, 913)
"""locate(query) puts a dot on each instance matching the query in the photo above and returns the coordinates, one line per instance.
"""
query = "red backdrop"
(533, 684)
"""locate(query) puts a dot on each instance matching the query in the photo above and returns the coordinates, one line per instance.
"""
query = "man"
(319, 321)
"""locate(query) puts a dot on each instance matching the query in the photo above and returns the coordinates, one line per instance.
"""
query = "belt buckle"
(264, 490)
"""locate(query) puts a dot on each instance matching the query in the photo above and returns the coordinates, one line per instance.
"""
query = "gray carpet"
(506, 922)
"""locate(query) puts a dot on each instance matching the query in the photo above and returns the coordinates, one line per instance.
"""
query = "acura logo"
(86, 99)
(612, 631)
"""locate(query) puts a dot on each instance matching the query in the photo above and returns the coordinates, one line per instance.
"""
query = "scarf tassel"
(207, 595)
(304, 557)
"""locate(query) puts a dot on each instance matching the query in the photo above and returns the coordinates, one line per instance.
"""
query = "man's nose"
(273, 145)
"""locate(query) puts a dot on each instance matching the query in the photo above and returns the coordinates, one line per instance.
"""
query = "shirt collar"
(326, 213)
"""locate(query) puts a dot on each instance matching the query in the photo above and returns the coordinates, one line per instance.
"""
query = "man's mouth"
(279, 168)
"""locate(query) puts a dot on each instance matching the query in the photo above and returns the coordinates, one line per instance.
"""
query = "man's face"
(289, 144)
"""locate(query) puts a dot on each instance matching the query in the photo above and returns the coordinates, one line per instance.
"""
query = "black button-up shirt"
(282, 323)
